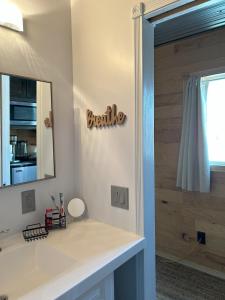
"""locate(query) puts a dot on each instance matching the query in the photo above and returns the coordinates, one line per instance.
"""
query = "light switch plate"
(28, 201)
(120, 197)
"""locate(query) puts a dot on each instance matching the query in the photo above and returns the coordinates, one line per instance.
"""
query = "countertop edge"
(103, 271)
(89, 271)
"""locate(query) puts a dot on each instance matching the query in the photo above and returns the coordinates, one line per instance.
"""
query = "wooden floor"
(178, 282)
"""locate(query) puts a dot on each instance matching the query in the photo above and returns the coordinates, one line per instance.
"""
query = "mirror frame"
(53, 132)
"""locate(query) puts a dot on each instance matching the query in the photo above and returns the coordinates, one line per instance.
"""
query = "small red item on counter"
(48, 217)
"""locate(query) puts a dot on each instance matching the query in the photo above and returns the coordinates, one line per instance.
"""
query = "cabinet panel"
(22, 89)
(18, 88)
(31, 89)
(24, 174)
(103, 291)
(95, 294)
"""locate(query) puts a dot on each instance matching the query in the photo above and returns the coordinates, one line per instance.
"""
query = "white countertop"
(95, 249)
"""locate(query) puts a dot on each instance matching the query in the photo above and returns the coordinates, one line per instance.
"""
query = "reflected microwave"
(23, 114)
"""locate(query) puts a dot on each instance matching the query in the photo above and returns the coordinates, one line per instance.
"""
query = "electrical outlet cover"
(28, 201)
(120, 197)
(201, 238)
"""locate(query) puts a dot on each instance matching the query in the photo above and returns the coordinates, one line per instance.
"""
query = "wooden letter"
(90, 119)
(110, 118)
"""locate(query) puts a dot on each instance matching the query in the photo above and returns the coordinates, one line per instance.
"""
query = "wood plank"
(177, 211)
(215, 236)
(168, 98)
(167, 154)
(210, 228)
(169, 196)
(172, 123)
(166, 112)
(167, 136)
(192, 50)
(167, 183)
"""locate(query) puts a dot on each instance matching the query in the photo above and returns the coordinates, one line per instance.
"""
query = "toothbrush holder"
(54, 220)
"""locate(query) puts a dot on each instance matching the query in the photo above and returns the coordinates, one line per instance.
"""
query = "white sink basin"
(28, 266)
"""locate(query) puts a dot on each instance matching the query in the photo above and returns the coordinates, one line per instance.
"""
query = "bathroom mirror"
(27, 147)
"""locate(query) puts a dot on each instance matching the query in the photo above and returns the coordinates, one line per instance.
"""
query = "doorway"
(181, 215)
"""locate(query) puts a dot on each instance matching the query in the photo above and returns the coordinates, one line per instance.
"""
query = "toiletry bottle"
(62, 211)
(48, 218)
(61, 199)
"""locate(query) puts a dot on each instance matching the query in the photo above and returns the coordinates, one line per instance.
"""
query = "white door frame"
(144, 139)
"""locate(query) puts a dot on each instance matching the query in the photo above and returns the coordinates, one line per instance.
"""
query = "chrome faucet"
(4, 231)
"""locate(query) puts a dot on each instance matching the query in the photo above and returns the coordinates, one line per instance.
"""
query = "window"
(216, 118)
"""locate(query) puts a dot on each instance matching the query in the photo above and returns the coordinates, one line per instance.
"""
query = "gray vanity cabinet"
(102, 291)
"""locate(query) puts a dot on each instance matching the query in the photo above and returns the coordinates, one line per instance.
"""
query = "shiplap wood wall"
(180, 212)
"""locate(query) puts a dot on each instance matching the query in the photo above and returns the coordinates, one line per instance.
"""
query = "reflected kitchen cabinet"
(26, 152)
(22, 89)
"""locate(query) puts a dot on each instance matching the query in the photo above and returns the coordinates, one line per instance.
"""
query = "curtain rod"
(207, 72)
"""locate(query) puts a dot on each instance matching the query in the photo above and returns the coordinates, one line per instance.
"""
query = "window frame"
(215, 166)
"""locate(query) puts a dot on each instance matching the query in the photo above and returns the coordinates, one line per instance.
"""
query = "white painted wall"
(103, 74)
(103, 67)
(43, 51)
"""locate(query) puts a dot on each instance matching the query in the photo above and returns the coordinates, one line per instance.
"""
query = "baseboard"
(193, 265)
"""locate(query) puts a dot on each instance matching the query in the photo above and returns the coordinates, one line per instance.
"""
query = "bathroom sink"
(28, 266)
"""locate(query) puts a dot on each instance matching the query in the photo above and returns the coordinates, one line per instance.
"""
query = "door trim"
(144, 151)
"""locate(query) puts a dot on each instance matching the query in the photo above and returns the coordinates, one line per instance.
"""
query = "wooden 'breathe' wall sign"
(109, 118)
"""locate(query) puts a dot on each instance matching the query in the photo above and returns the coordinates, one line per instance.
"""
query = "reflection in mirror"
(26, 152)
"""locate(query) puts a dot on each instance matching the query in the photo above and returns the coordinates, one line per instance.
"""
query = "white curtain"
(193, 172)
